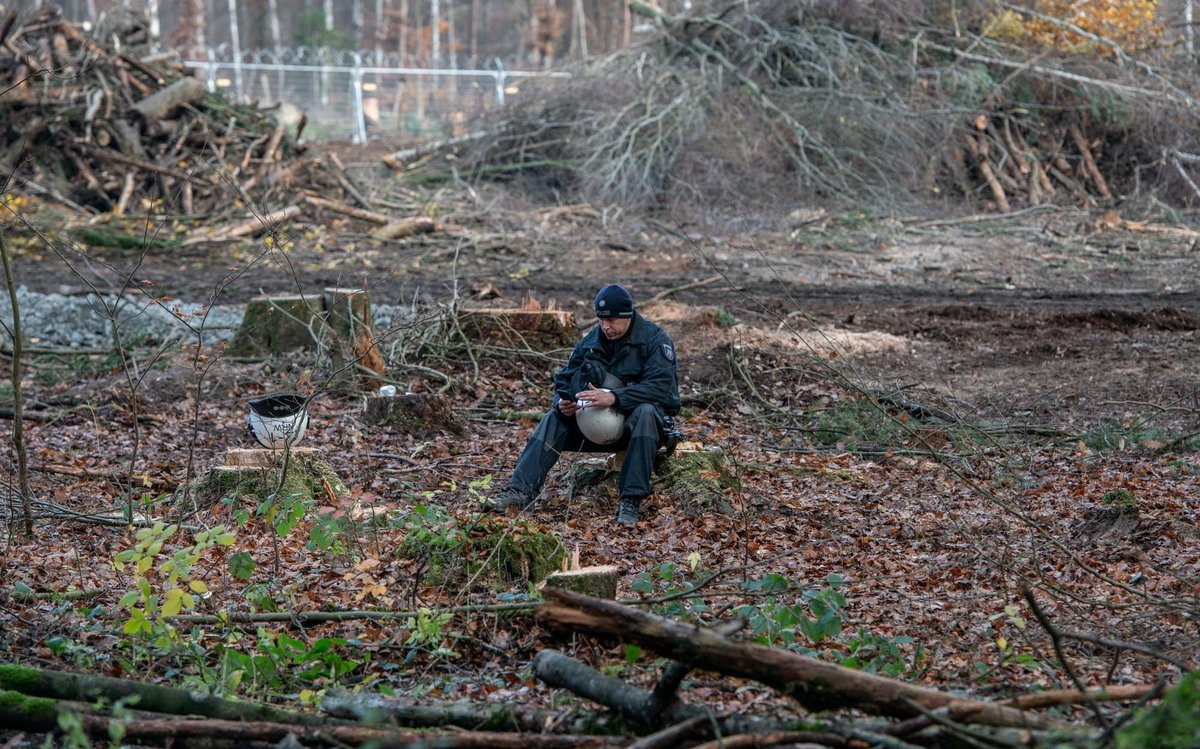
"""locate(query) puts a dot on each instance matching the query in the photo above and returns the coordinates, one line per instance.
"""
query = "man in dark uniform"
(638, 359)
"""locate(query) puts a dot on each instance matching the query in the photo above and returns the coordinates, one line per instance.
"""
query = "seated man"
(638, 359)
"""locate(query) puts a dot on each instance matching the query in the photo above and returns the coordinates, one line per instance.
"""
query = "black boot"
(509, 497)
(628, 512)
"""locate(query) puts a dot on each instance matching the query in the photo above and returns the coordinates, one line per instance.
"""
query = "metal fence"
(354, 96)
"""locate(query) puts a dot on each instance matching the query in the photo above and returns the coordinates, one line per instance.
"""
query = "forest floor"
(1037, 374)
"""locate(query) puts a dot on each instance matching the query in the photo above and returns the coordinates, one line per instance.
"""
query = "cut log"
(162, 103)
(422, 415)
(814, 683)
(536, 330)
(406, 227)
(277, 325)
(597, 582)
(253, 225)
(345, 209)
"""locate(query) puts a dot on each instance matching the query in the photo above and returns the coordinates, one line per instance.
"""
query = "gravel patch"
(84, 321)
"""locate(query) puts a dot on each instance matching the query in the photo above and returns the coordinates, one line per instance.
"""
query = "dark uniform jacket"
(643, 359)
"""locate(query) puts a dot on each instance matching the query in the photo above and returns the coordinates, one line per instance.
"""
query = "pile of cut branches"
(763, 99)
(92, 122)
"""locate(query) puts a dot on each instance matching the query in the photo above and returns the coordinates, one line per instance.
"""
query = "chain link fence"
(354, 96)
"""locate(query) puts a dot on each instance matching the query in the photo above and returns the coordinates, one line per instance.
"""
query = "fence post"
(356, 96)
(500, 82)
(212, 70)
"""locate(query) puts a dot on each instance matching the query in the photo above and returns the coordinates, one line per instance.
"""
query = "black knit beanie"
(614, 301)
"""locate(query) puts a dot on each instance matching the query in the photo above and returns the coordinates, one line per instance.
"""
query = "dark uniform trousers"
(557, 434)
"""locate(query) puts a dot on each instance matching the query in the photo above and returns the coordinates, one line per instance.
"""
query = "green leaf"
(129, 599)
(241, 565)
(173, 603)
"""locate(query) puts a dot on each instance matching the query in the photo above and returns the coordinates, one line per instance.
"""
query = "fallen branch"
(345, 209)
(815, 684)
(64, 685)
(312, 617)
(253, 225)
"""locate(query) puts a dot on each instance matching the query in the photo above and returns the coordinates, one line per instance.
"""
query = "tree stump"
(339, 320)
(695, 479)
(420, 414)
(700, 480)
(277, 325)
(597, 582)
(536, 329)
(255, 473)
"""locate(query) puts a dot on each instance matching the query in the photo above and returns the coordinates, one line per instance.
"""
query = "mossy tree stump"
(451, 551)
(700, 479)
(420, 414)
(695, 479)
(277, 325)
(255, 473)
(338, 321)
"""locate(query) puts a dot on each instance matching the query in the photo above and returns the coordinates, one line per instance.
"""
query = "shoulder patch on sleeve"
(668, 352)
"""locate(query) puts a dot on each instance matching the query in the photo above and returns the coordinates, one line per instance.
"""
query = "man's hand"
(566, 407)
(598, 398)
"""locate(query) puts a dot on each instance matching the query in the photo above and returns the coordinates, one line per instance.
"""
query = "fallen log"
(64, 685)
(634, 705)
(406, 227)
(375, 709)
(160, 104)
(345, 209)
(252, 225)
(815, 684)
(41, 715)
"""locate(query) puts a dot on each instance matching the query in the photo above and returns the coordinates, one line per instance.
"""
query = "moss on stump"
(256, 473)
(487, 548)
(693, 479)
(277, 325)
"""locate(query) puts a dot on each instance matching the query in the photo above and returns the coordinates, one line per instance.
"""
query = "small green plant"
(1174, 723)
(427, 630)
(1010, 655)
(725, 318)
(148, 609)
(1121, 501)
(280, 662)
(879, 655)
(669, 579)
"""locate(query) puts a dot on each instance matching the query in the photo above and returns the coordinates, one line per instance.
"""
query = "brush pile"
(886, 106)
(93, 123)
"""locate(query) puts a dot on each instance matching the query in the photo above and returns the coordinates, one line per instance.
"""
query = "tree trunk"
(815, 684)
(276, 30)
(435, 33)
(18, 399)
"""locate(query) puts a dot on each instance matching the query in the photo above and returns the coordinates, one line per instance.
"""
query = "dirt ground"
(1038, 325)
(1052, 318)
